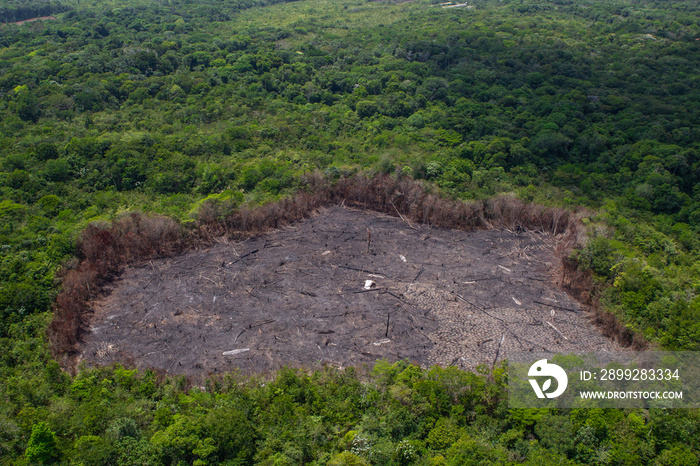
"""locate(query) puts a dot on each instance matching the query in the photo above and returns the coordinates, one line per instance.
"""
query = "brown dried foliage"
(137, 237)
(103, 251)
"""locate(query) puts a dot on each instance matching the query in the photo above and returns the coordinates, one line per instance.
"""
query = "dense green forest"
(168, 106)
(13, 10)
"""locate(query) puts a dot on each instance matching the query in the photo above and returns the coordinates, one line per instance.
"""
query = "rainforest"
(136, 133)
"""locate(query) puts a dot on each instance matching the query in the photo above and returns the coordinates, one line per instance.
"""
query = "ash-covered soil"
(345, 287)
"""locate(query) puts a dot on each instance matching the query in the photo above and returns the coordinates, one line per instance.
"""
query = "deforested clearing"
(344, 287)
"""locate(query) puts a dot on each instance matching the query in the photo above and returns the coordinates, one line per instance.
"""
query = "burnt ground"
(297, 296)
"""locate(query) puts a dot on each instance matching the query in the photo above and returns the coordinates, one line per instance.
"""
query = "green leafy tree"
(42, 447)
(679, 455)
(470, 451)
(347, 459)
(366, 108)
(28, 107)
(46, 151)
(443, 435)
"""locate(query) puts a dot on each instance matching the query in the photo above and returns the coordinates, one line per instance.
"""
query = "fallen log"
(577, 311)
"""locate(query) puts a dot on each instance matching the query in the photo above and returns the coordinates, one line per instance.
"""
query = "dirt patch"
(38, 18)
(345, 287)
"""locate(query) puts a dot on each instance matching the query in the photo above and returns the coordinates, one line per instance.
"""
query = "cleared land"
(38, 18)
(345, 287)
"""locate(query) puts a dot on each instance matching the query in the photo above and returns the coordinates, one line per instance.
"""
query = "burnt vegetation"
(104, 250)
(344, 287)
